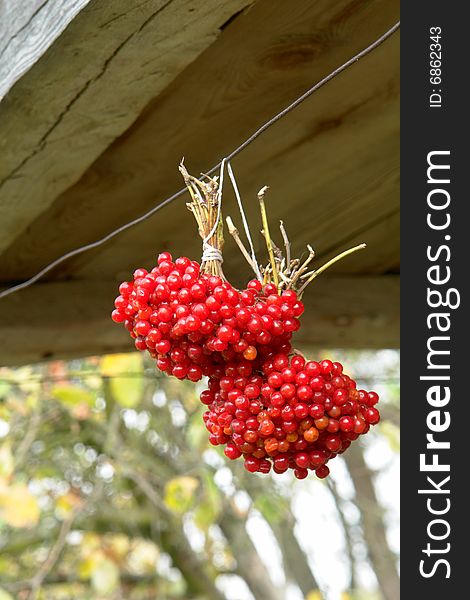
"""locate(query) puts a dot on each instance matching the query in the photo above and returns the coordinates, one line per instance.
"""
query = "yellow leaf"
(6, 460)
(66, 504)
(18, 507)
(119, 544)
(85, 567)
(127, 390)
(105, 577)
(314, 595)
(117, 364)
(91, 542)
(179, 493)
(5, 595)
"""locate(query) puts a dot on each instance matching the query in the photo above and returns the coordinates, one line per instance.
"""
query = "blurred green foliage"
(109, 489)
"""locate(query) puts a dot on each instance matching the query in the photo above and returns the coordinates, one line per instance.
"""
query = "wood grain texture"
(27, 29)
(87, 89)
(341, 313)
(332, 167)
(332, 164)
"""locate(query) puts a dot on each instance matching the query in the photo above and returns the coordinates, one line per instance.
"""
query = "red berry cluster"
(274, 410)
(191, 322)
(288, 414)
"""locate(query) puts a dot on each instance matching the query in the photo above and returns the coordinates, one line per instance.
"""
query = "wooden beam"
(71, 319)
(332, 164)
(27, 29)
(352, 312)
(88, 88)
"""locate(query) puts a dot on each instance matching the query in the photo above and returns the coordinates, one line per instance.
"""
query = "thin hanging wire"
(213, 169)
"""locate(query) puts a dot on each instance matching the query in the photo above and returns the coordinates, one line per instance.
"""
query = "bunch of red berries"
(288, 414)
(191, 322)
(274, 410)
(265, 402)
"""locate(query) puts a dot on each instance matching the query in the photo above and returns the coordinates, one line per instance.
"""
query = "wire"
(227, 158)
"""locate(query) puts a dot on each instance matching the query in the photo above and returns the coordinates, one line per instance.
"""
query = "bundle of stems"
(282, 270)
(206, 207)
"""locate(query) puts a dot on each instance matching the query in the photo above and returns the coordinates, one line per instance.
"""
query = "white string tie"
(211, 253)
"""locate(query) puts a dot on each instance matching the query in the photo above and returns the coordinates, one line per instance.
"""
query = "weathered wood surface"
(332, 164)
(37, 325)
(87, 89)
(27, 29)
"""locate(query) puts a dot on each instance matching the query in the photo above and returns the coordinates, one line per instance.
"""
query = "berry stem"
(286, 245)
(234, 233)
(328, 264)
(267, 235)
(303, 267)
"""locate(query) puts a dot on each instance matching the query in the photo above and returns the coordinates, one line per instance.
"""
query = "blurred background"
(109, 489)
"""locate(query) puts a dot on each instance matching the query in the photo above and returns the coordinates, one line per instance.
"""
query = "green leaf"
(179, 493)
(205, 515)
(72, 395)
(128, 389)
(209, 508)
(271, 506)
(5, 388)
(197, 433)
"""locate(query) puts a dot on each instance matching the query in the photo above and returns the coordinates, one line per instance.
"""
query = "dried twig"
(28, 440)
(205, 206)
(267, 235)
(234, 233)
(36, 581)
(303, 267)
(286, 246)
(329, 263)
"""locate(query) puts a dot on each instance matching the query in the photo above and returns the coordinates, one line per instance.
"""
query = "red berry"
(371, 415)
(322, 472)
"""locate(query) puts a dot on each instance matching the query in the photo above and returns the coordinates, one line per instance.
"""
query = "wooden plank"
(71, 319)
(27, 29)
(382, 254)
(88, 88)
(352, 312)
(332, 164)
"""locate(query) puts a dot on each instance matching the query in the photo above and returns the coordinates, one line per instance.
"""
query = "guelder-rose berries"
(176, 308)
(287, 427)
(275, 410)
